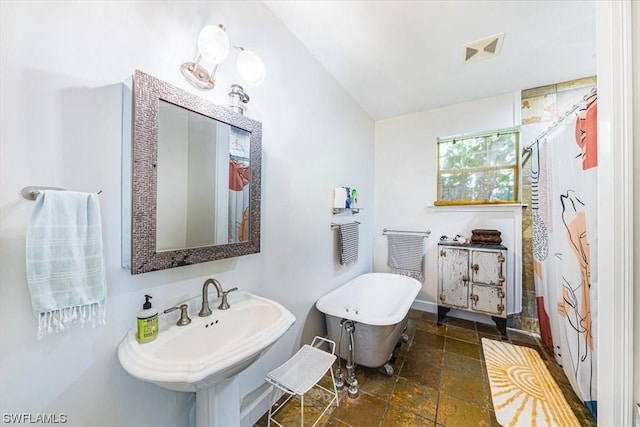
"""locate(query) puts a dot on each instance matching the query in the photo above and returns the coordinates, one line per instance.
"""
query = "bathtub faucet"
(205, 310)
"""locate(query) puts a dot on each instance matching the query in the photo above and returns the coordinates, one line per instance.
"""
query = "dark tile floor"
(439, 380)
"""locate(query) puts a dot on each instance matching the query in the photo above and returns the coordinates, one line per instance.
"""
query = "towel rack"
(31, 192)
(424, 233)
(334, 225)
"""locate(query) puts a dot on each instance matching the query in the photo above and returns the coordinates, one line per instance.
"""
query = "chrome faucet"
(205, 310)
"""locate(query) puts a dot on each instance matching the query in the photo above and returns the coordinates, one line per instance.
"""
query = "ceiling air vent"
(483, 48)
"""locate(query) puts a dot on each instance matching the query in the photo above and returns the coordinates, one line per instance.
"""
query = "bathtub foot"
(386, 369)
(404, 338)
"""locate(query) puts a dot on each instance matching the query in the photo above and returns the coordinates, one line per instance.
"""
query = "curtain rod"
(461, 136)
(553, 125)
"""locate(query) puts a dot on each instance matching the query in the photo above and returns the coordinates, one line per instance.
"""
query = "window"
(479, 169)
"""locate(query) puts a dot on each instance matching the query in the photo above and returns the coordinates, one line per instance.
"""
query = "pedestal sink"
(206, 355)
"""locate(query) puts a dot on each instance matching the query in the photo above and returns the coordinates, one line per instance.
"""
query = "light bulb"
(251, 68)
(213, 44)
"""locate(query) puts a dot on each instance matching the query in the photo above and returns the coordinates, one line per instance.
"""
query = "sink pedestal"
(219, 405)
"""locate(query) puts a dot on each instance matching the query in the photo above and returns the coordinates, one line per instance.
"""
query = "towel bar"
(334, 225)
(425, 233)
(31, 192)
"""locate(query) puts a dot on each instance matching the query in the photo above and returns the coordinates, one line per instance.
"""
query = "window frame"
(516, 166)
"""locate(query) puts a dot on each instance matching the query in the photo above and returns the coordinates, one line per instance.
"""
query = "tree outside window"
(479, 169)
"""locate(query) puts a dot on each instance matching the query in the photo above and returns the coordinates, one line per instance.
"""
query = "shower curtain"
(564, 244)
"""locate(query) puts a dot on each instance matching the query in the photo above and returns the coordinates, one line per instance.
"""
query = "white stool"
(302, 372)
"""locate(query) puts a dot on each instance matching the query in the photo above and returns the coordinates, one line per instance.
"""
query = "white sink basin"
(209, 349)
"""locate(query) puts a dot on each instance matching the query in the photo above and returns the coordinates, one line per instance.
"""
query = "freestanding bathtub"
(378, 304)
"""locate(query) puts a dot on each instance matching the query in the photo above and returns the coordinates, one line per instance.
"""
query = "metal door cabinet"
(471, 277)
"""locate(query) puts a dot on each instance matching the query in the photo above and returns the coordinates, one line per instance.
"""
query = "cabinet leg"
(501, 324)
(442, 313)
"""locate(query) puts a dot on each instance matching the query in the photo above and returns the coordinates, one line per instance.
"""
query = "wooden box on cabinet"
(471, 277)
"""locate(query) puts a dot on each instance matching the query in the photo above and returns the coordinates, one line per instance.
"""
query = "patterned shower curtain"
(565, 226)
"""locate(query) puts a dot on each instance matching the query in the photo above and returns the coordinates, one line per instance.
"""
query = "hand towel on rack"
(65, 265)
(348, 238)
(405, 253)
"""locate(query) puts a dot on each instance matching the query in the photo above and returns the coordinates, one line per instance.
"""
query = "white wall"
(406, 185)
(63, 64)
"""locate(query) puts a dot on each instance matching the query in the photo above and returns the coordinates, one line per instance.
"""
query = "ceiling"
(400, 57)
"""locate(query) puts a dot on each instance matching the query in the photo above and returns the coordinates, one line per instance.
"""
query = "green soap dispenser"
(147, 322)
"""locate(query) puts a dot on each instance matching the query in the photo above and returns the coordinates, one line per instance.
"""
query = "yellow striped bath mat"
(522, 389)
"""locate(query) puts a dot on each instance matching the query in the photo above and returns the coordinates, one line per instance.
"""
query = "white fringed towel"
(348, 238)
(64, 260)
(405, 254)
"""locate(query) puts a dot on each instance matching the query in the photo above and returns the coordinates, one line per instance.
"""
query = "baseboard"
(427, 306)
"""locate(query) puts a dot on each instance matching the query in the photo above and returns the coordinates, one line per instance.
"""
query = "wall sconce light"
(213, 47)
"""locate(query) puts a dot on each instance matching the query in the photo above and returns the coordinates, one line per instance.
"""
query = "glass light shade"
(251, 68)
(213, 44)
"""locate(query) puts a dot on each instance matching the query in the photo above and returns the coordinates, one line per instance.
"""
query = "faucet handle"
(184, 317)
(224, 304)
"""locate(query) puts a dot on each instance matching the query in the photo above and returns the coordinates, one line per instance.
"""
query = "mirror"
(203, 180)
(195, 182)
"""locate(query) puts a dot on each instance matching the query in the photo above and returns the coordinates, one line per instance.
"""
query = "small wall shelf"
(346, 210)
